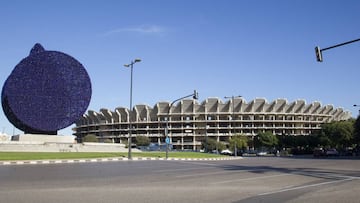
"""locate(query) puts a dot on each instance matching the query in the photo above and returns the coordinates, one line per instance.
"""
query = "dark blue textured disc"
(47, 91)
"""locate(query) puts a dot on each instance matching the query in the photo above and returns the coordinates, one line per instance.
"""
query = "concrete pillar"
(182, 142)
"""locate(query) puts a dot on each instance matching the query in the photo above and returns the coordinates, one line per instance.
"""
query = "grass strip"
(13, 156)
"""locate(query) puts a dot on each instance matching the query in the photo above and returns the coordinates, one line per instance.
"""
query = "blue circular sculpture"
(47, 91)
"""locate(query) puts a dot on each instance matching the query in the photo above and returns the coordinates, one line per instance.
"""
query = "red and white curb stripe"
(63, 161)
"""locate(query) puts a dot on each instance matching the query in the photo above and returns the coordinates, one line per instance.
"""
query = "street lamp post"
(195, 95)
(232, 119)
(131, 65)
(206, 137)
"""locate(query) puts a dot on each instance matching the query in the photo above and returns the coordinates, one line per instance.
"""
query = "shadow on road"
(316, 170)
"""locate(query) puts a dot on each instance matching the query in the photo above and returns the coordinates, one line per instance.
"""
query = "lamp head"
(137, 60)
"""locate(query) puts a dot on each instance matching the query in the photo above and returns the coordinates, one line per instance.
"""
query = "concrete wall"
(44, 138)
(56, 143)
(23, 146)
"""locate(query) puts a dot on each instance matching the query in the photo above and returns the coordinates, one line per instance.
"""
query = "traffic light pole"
(319, 51)
(195, 95)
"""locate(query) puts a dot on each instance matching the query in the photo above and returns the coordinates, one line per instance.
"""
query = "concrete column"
(182, 142)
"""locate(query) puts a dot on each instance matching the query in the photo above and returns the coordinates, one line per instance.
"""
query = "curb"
(69, 161)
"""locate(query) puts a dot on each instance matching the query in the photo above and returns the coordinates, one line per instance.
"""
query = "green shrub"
(142, 141)
(108, 141)
(90, 138)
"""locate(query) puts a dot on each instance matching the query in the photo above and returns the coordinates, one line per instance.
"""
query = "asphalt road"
(265, 179)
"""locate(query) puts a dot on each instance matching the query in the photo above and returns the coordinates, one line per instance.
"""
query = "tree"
(220, 146)
(345, 131)
(142, 141)
(240, 141)
(211, 144)
(266, 139)
(323, 140)
(90, 138)
(339, 133)
(357, 130)
(285, 141)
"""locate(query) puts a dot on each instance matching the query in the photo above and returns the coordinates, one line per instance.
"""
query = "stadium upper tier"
(237, 106)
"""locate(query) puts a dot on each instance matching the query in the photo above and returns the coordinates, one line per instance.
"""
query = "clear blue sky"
(253, 48)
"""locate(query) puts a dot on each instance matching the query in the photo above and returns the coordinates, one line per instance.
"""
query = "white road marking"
(189, 169)
(308, 186)
(205, 174)
(199, 163)
(254, 178)
(181, 169)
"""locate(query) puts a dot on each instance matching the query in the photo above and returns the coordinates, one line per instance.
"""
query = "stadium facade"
(190, 122)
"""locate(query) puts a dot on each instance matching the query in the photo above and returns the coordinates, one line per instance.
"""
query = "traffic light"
(318, 54)
(195, 95)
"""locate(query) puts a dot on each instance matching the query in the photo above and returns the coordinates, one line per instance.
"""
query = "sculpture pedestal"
(35, 138)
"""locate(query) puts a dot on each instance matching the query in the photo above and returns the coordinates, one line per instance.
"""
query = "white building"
(190, 121)
(4, 137)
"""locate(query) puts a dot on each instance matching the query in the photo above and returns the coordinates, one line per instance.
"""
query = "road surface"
(253, 179)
